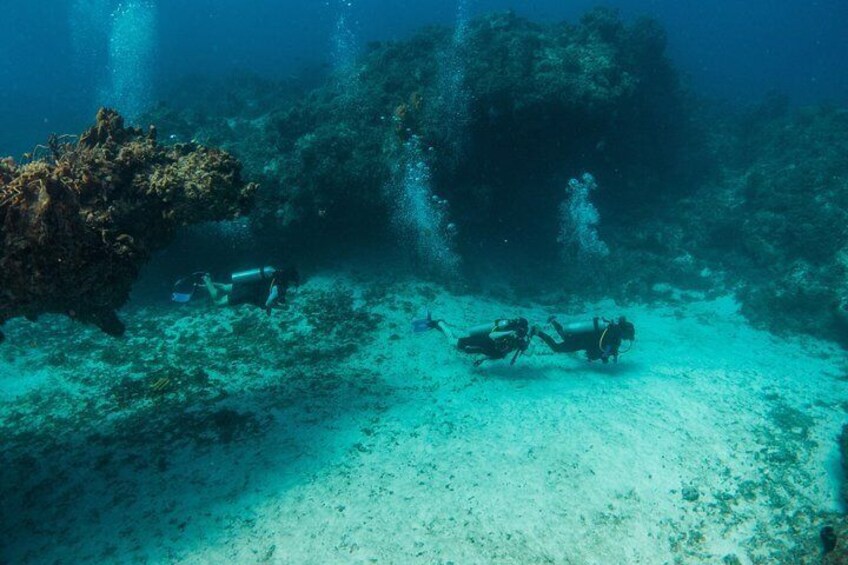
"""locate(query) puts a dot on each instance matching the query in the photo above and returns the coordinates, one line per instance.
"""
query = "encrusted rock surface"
(78, 225)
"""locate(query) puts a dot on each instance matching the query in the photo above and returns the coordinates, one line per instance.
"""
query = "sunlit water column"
(345, 51)
(452, 108)
(579, 219)
(132, 57)
(420, 216)
(463, 17)
(89, 24)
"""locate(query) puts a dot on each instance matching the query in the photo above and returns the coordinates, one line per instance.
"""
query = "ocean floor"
(330, 433)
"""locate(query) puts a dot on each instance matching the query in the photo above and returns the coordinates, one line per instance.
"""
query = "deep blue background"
(726, 48)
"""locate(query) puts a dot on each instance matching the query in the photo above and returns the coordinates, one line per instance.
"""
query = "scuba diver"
(495, 340)
(600, 338)
(265, 287)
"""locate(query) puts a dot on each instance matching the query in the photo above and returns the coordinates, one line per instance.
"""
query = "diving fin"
(185, 288)
(423, 322)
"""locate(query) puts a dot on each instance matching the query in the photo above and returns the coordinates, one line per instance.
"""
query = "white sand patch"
(708, 439)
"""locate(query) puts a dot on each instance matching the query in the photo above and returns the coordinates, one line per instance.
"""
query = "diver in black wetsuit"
(600, 338)
(494, 340)
(265, 287)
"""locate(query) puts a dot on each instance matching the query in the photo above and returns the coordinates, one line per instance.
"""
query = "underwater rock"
(825, 543)
(843, 450)
(833, 544)
(536, 99)
(780, 222)
(78, 225)
(690, 493)
(831, 547)
(828, 538)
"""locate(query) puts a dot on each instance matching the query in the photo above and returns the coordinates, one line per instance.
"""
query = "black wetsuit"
(591, 338)
(496, 340)
(258, 292)
(255, 293)
(485, 345)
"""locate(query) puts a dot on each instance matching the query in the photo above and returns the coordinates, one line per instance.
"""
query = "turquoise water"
(221, 435)
(450, 181)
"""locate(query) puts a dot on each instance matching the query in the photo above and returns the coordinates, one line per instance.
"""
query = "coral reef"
(535, 100)
(843, 450)
(795, 230)
(78, 226)
(778, 219)
(838, 555)
(695, 194)
(182, 387)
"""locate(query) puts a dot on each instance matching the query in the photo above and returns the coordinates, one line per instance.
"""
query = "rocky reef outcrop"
(693, 193)
(777, 219)
(795, 226)
(843, 451)
(498, 113)
(78, 224)
(835, 536)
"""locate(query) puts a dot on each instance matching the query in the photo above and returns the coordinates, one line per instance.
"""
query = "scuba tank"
(578, 328)
(518, 325)
(481, 330)
(620, 328)
(253, 275)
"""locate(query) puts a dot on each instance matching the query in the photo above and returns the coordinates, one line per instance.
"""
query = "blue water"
(417, 185)
(728, 49)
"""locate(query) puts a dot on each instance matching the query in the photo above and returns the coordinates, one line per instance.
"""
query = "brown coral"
(407, 115)
(77, 228)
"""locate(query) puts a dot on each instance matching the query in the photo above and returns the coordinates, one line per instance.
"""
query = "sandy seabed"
(330, 433)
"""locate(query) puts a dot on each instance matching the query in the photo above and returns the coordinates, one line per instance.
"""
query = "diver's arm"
(558, 327)
(210, 287)
(550, 342)
(504, 343)
(274, 297)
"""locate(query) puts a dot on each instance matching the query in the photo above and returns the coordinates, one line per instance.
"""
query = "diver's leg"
(447, 331)
(210, 287)
(549, 341)
(559, 329)
(224, 292)
(219, 293)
